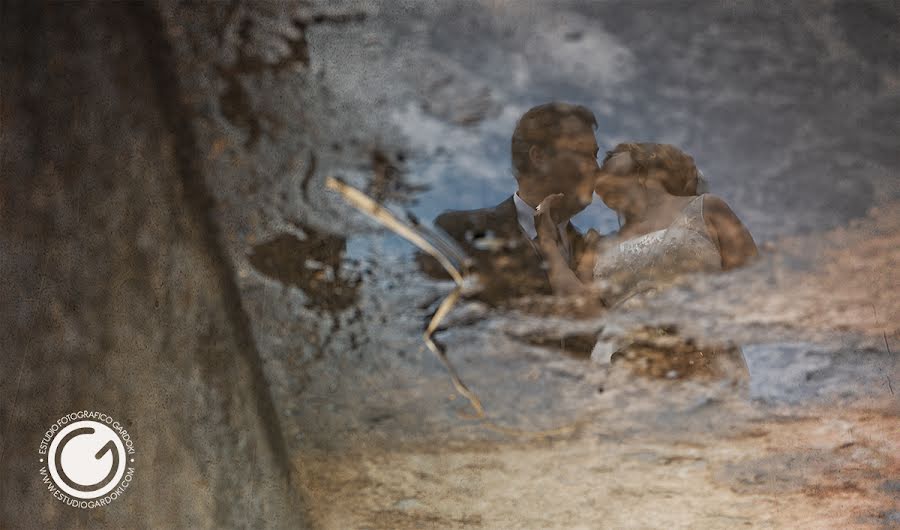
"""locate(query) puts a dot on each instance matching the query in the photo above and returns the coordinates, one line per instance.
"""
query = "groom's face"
(570, 165)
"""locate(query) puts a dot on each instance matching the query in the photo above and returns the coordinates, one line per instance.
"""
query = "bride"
(669, 228)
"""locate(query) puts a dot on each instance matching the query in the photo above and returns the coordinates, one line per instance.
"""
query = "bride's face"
(616, 184)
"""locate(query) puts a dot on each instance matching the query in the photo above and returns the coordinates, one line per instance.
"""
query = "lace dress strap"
(692, 217)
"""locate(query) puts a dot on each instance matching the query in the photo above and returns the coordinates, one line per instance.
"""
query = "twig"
(413, 234)
(381, 214)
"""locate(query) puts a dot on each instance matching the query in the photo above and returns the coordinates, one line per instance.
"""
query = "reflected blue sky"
(793, 124)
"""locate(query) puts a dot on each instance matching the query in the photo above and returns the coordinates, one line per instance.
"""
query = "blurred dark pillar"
(115, 294)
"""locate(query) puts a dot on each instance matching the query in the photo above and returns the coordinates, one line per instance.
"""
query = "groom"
(553, 151)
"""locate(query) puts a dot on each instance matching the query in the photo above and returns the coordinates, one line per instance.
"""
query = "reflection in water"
(527, 246)
(745, 91)
(792, 106)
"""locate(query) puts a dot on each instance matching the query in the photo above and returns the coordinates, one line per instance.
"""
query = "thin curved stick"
(365, 204)
(381, 214)
(439, 315)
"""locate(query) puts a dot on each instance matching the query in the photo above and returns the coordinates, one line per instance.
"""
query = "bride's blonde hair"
(674, 168)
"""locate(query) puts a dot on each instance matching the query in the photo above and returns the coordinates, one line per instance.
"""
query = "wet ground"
(791, 111)
(184, 263)
(810, 441)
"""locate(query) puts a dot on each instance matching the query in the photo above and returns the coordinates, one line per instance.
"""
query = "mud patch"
(660, 352)
(312, 265)
(235, 102)
(578, 345)
(389, 181)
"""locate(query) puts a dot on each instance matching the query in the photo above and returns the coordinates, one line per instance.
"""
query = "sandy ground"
(839, 470)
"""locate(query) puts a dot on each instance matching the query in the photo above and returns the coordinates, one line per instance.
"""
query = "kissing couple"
(527, 245)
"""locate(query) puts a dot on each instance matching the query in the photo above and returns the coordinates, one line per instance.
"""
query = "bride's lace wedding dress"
(646, 262)
(649, 261)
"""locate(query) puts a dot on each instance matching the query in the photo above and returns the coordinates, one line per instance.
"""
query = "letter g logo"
(86, 459)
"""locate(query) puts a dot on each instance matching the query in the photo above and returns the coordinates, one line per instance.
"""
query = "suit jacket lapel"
(506, 225)
(504, 221)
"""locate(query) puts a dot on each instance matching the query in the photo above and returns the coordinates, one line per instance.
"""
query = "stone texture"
(116, 294)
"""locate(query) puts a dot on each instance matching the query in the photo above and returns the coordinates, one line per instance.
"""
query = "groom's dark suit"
(516, 269)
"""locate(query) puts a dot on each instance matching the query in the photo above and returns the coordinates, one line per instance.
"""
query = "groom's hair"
(542, 125)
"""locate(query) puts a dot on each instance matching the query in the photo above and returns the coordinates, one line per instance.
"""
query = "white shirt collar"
(525, 214)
